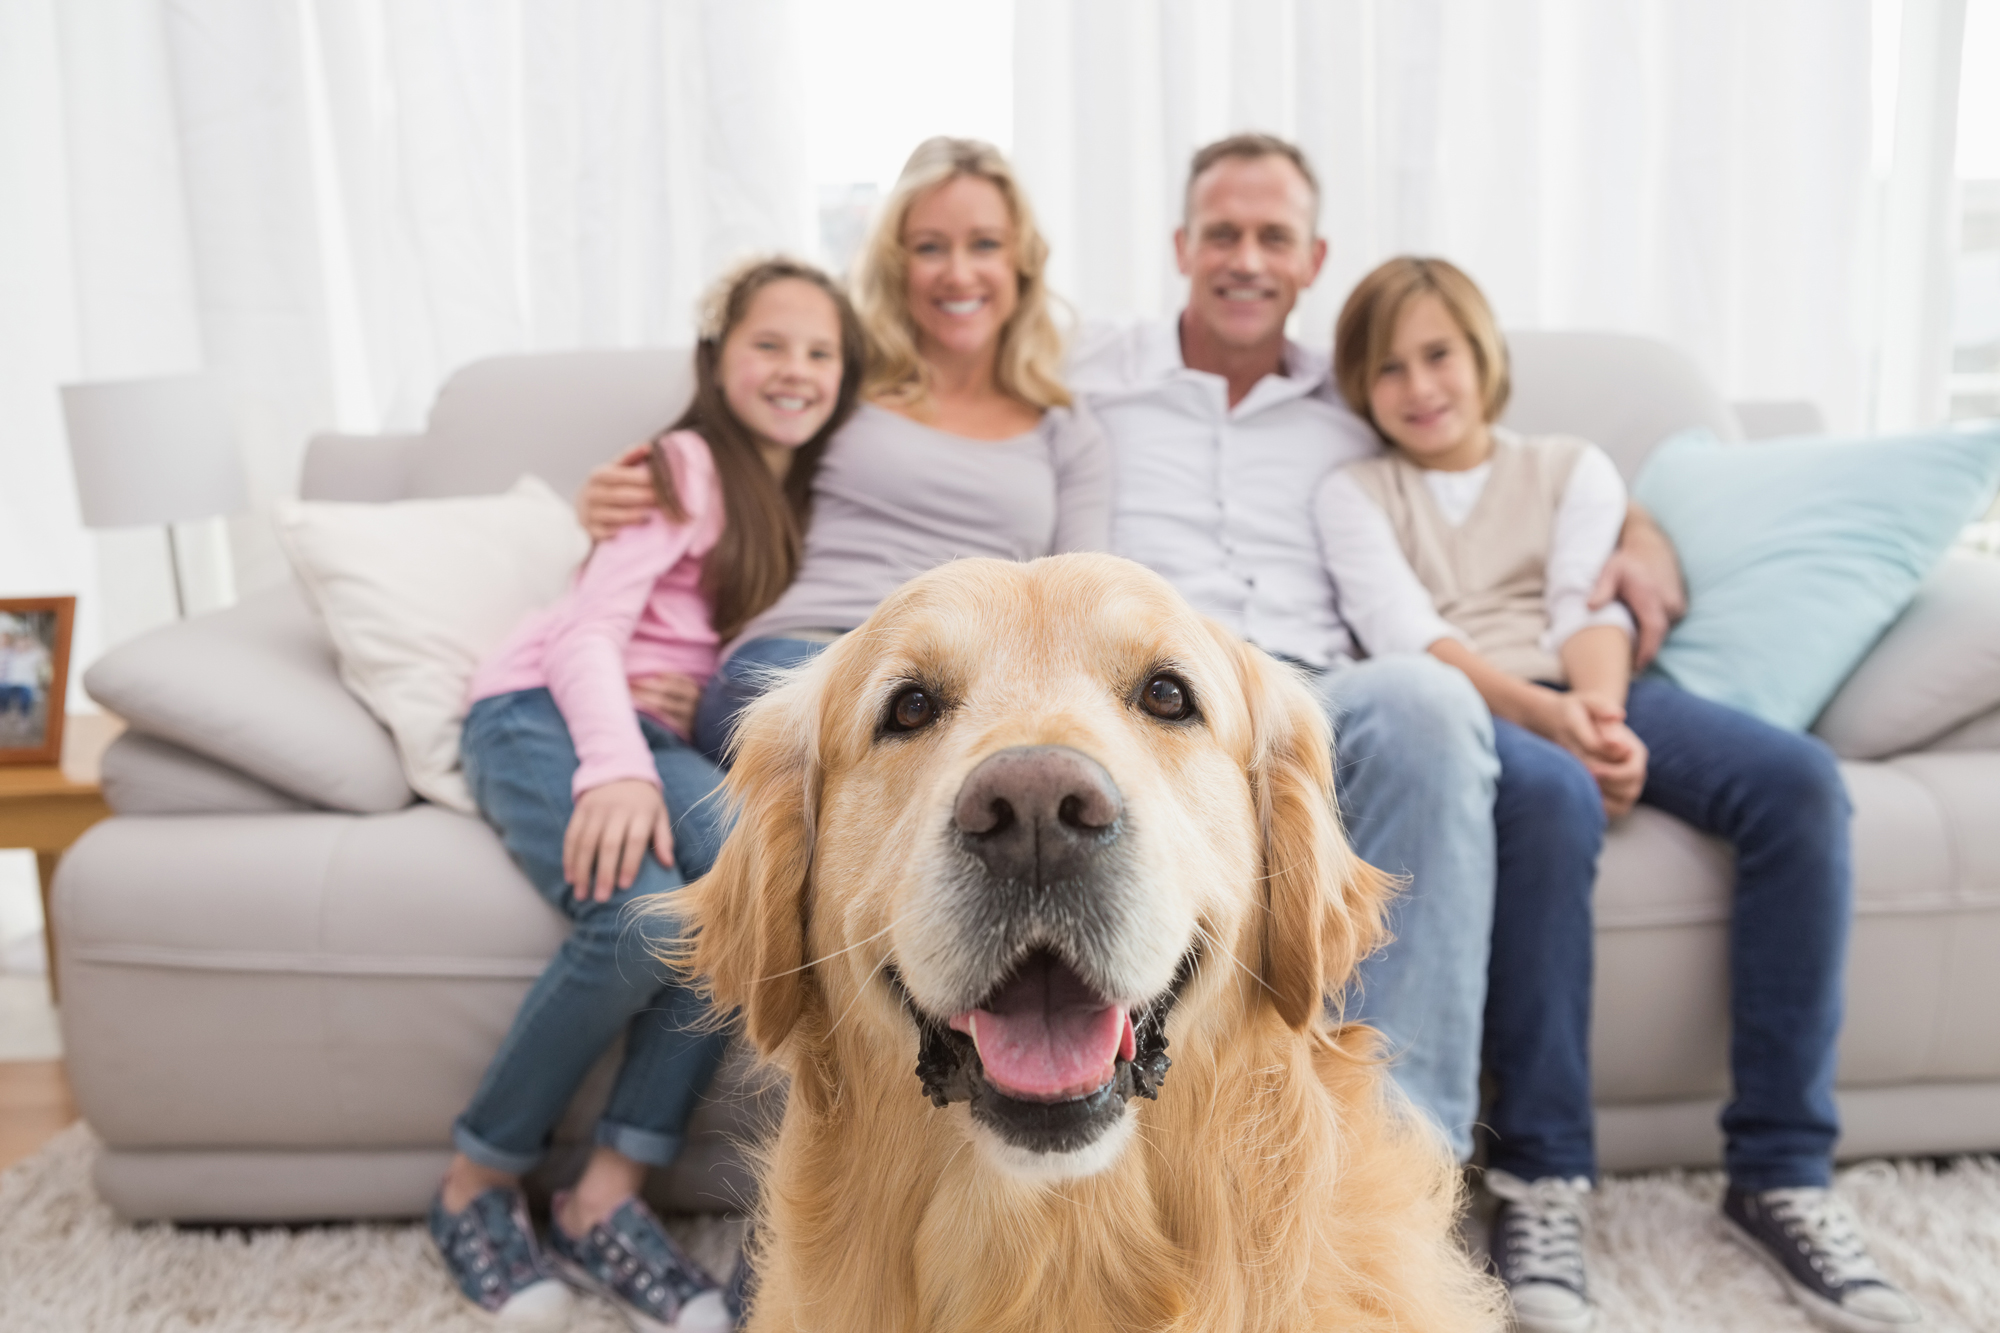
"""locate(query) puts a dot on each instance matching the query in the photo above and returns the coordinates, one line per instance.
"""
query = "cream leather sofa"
(282, 975)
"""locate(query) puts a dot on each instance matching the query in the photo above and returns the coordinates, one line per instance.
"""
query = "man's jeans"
(1777, 797)
(606, 978)
(1415, 772)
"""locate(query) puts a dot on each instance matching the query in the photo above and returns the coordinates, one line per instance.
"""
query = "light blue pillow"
(1799, 553)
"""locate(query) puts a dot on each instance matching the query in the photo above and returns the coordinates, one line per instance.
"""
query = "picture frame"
(34, 677)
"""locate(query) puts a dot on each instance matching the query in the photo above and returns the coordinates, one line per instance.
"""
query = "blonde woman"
(966, 444)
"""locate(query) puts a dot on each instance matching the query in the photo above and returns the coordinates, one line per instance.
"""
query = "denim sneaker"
(631, 1261)
(489, 1249)
(1537, 1252)
(1810, 1240)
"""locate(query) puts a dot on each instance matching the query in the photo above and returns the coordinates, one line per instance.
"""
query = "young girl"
(581, 787)
(1481, 547)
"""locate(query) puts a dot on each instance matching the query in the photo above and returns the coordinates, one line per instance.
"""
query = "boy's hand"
(608, 834)
(1621, 780)
(1578, 724)
(617, 494)
(671, 696)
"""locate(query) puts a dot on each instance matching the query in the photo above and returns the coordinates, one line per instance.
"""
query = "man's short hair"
(1248, 148)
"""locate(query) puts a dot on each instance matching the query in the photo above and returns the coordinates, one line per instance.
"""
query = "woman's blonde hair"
(1367, 325)
(1029, 366)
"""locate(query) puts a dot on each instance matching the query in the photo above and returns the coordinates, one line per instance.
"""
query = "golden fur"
(1270, 1187)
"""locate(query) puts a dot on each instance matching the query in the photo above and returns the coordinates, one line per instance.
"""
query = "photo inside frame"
(28, 653)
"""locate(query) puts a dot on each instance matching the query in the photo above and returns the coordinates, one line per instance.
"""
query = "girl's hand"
(608, 834)
(1620, 781)
(617, 494)
(671, 696)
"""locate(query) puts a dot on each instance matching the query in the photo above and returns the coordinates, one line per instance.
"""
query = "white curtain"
(1697, 170)
(331, 204)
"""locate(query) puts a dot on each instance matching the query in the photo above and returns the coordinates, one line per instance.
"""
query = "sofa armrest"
(256, 688)
(1937, 667)
(365, 468)
(144, 775)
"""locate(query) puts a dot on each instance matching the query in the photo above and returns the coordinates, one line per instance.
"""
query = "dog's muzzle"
(1039, 932)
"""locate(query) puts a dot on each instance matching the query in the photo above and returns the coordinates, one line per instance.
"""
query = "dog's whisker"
(859, 991)
(829, 957)
(1208, 938)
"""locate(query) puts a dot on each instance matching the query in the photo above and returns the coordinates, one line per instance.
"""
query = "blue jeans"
(1777, 797)
(1415, 772)
(747, 674)
(606, 978)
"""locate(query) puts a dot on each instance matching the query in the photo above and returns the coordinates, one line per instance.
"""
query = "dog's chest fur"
(926, 1238)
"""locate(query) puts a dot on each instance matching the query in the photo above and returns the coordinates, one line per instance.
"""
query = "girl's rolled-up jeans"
(606, 979)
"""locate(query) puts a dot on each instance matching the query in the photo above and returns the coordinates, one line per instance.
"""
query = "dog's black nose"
(1038, 813)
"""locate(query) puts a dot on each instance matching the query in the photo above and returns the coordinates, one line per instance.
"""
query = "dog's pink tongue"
(1047, 1036)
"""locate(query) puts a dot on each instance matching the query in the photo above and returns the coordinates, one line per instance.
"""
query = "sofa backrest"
(554, 414)
(1622, 393)
(559, 414)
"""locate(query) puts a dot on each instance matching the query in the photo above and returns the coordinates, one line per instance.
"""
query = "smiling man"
(1220, 430)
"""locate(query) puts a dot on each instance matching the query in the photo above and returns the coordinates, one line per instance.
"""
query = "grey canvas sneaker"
(489, 1249)
(1809, 1239)
(1537, 1252)
(631, 1261)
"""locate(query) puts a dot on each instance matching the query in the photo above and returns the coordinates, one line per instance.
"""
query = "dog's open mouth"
(1044, 1060)
(1045, 1035)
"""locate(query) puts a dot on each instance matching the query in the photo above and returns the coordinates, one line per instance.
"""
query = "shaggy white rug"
(1657, 1261)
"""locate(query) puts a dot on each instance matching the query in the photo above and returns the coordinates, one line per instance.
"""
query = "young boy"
(1481, 547)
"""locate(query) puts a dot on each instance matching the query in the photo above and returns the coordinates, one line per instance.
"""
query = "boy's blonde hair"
(1031, 346)
(1367, 325)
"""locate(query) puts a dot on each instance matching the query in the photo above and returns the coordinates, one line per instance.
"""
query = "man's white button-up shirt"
(1219, 500)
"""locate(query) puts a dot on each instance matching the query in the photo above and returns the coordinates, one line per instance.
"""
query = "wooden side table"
(46, 807)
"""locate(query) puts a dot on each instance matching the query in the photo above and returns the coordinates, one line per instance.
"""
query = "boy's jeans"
(1777, 797)
(605, 979)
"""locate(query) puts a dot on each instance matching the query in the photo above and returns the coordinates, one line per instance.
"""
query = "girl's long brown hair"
(764, 523)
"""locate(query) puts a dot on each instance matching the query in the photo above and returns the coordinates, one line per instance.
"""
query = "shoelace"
(1542, 1231)
(1820, 1224)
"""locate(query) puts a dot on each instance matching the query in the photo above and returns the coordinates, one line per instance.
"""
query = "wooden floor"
(35, 1106)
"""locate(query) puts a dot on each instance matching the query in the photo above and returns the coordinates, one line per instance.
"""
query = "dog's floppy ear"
(1326, 904)
(749, 911)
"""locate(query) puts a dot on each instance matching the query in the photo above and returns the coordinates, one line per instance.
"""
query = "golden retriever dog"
(1035, 891)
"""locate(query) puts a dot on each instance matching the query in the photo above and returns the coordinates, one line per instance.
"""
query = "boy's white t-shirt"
(1391, 611)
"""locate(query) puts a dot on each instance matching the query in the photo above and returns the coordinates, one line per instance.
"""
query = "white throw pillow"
(416, 593)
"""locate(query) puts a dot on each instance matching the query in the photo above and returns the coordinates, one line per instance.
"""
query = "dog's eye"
(1167, 697)
(911, 709)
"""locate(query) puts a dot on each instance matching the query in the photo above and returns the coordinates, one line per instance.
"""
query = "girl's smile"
(780, 366)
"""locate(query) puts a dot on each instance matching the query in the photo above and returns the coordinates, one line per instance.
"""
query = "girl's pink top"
(635, 609)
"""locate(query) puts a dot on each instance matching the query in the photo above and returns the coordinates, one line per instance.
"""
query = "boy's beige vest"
(1487, 577)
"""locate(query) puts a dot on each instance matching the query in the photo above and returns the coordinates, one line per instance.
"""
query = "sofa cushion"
(144, 775)
(260, 984)
(1938, 666)
(256, 688)
(1799, 553)
(416, 593)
